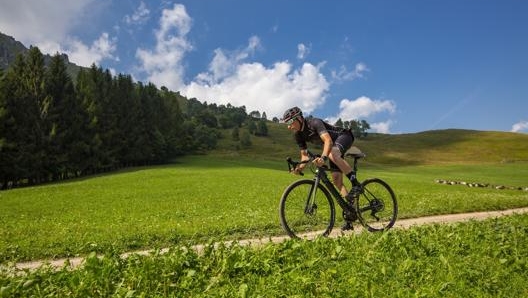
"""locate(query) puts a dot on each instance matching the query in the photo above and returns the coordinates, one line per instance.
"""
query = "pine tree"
(89, 95)
(8, 141)
(235, 134)
(37, 109)
(66, 121)
(262, 128)
(339, 123)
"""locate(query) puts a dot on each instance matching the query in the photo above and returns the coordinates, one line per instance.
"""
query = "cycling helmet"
(291, 114)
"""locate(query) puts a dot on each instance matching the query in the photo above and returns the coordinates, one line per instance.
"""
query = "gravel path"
(401, 224)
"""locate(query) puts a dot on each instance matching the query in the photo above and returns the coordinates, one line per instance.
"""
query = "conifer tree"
(66, 121)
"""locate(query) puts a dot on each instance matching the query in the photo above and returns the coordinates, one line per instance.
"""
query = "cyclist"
(335, 140)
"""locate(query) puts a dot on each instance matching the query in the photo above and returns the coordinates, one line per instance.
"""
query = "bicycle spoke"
(304, 210)
(377, 205)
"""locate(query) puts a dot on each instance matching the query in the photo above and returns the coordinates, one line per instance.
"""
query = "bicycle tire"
(376, 206)
(299, 224)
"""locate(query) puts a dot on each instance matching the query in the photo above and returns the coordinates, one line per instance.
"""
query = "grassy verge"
(474, 259)
(206, 197)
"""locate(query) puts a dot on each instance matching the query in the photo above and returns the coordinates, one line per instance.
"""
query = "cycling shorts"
(343, 142)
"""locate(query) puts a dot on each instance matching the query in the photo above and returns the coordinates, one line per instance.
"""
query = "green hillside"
(451, 146)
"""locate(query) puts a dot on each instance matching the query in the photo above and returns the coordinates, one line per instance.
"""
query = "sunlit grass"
(470, 259)
(203, 197)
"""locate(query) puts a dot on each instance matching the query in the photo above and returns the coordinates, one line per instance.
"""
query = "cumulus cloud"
(224, 63)
(302, 51)
(140, 16)
(81, 54)
(348, 75)
(266, 89)
(520, 126)
(163, 64)
(230, 77)
(102, 48)
(47, 24)
(382, 127)
(362, 108)
(37, 21)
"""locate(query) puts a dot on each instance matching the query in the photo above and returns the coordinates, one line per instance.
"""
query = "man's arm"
(327, 147)
(328, 143)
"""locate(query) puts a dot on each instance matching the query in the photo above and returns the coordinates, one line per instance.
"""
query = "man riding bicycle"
(335, 140)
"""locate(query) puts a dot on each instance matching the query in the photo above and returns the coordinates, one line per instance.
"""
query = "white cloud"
(140, 16)
(271, 90)
(302, 51)
(163, 65)
(382, 127)
(102, 48)
(230, 77)
(224, 63)
(47, 24)
(520, 126)
(81, 54)
(345, 75)
(40, 21)
(363, 108)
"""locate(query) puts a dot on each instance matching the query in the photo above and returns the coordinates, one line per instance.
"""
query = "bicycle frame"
(321, 176)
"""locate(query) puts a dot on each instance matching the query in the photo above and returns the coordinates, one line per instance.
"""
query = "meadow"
(473, 259)
(234, 194)
(203, 197)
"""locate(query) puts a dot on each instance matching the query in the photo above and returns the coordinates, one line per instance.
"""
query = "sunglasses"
(290, 122)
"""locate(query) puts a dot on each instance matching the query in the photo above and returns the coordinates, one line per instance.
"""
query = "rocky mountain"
(10, 48)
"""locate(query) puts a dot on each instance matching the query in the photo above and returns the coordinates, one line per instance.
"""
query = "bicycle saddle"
(355, 153)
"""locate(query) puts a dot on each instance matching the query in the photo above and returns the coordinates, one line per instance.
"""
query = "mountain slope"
(10, 48)
(451, 146)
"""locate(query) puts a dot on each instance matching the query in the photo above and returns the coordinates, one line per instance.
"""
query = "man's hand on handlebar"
(298, 169)
(319, 161)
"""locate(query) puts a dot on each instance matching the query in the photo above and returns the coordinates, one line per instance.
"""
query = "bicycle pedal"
(350, 216)
(347, 226)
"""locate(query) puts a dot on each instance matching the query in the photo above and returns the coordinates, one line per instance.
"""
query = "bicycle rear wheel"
(306, 211)
(376, 205)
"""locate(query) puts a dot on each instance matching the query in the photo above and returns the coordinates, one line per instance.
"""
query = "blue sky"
(404, 66)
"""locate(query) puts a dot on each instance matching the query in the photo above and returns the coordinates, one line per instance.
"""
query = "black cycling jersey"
(312, 130)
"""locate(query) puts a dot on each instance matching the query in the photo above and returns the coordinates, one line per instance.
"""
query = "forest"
(53, 127)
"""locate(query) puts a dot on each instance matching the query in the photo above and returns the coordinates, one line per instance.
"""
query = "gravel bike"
(307, 208)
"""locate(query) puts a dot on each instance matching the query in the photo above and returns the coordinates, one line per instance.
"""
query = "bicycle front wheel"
(306, 211)
(376, 207)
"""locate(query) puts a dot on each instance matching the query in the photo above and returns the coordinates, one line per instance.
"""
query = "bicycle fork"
(311, 206)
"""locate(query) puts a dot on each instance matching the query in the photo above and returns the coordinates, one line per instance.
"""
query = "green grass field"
(473, 259)
(203, 197)
(234, 194)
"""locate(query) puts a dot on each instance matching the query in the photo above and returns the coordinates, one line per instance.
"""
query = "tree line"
(52, 128)
(358, 127)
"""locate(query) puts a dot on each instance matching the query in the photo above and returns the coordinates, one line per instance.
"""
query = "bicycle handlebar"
(292, 165)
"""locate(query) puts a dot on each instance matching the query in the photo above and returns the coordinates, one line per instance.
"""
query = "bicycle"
(306, 206)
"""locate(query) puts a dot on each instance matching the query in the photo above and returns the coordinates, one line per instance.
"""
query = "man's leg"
(337, 177)
(335, 157)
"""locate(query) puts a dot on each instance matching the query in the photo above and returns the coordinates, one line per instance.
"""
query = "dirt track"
(402, 224)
